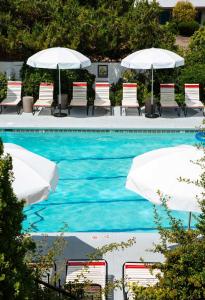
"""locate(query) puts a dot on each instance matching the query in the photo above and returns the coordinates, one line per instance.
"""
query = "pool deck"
(81, 244)
(78, 120)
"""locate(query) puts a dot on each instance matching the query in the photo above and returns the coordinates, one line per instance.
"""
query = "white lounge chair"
(192, 97)
(167, 98)
(79, 96)
(13, 97)
(102, 96)
(85, 271)
(130, 97)
(137, 273)
(45, 97)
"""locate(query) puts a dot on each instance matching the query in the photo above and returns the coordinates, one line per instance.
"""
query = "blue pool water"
(93, 166)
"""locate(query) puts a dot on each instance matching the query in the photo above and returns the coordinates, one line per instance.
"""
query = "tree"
(141, 28)
(183, 271)
(184, 11)
(15, 277)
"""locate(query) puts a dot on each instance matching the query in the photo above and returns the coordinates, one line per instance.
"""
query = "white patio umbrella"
(159, 170)
(58, 58)
(34, 175)
(152, 58)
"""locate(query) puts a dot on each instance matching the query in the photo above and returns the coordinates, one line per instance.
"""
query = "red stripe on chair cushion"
(102, 84)
(87, 263)
(16, 83)
(79, 84)
(167, 85)
(132, 85)
(191, 85)
(46, 84)
(136, 267)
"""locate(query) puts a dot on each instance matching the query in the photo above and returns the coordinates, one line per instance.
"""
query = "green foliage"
(197, 42)
(192, 74)
(183, 12)
(15, 277)
(95, 28)
(142, 28)
(188, 28)
(32, 77)
(3, 86)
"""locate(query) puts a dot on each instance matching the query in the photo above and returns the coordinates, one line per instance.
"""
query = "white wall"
(114, 70)
(11, 69)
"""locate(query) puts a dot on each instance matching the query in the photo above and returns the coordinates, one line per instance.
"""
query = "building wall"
(12, 70)
(114, 71)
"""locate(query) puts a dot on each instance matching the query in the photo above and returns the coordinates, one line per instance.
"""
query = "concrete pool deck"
(78, 120)
(81, 244)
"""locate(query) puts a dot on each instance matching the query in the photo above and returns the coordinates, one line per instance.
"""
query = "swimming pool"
(93, 166)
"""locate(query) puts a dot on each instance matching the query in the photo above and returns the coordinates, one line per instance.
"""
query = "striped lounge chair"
(82, 271)
(79, 96)
(139, 273)
(167, 98)
(45, 97)
(102, 92)
(192, 97)
(130, 97)
(13, 97)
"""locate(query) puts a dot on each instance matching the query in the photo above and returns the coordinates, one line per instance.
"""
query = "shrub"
(116, 93)
(32, 77)
(183, 11)
(188, 28)
(192, 74)
(3, 86)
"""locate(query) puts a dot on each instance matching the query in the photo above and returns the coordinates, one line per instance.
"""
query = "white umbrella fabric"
(58, 58)
(159, 170)
(34, 175)
(152, 58)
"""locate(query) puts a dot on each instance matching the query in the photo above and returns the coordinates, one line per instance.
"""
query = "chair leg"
(179, 111)
(87, 110)
(18, 109)
(111, 110)
(93, 110)
(1, 109)
(160, 110)
(121, 110)
(139, 111)
(185, 111)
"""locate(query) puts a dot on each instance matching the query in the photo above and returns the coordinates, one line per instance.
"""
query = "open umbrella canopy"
(152, 58)
(58, 57)
(155, 58)
(160, 170)
(34, 175)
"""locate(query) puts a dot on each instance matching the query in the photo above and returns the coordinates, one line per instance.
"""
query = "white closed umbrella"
(152, 58)
(34, 175)
(159, 170)
(59, 58)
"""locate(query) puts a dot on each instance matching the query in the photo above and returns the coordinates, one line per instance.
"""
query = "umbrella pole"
(189, 224)
(152, 114)
(59, 114)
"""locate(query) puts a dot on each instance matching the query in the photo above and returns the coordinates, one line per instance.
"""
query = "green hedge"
(188, 28)
(32, 77)
(3, 86)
